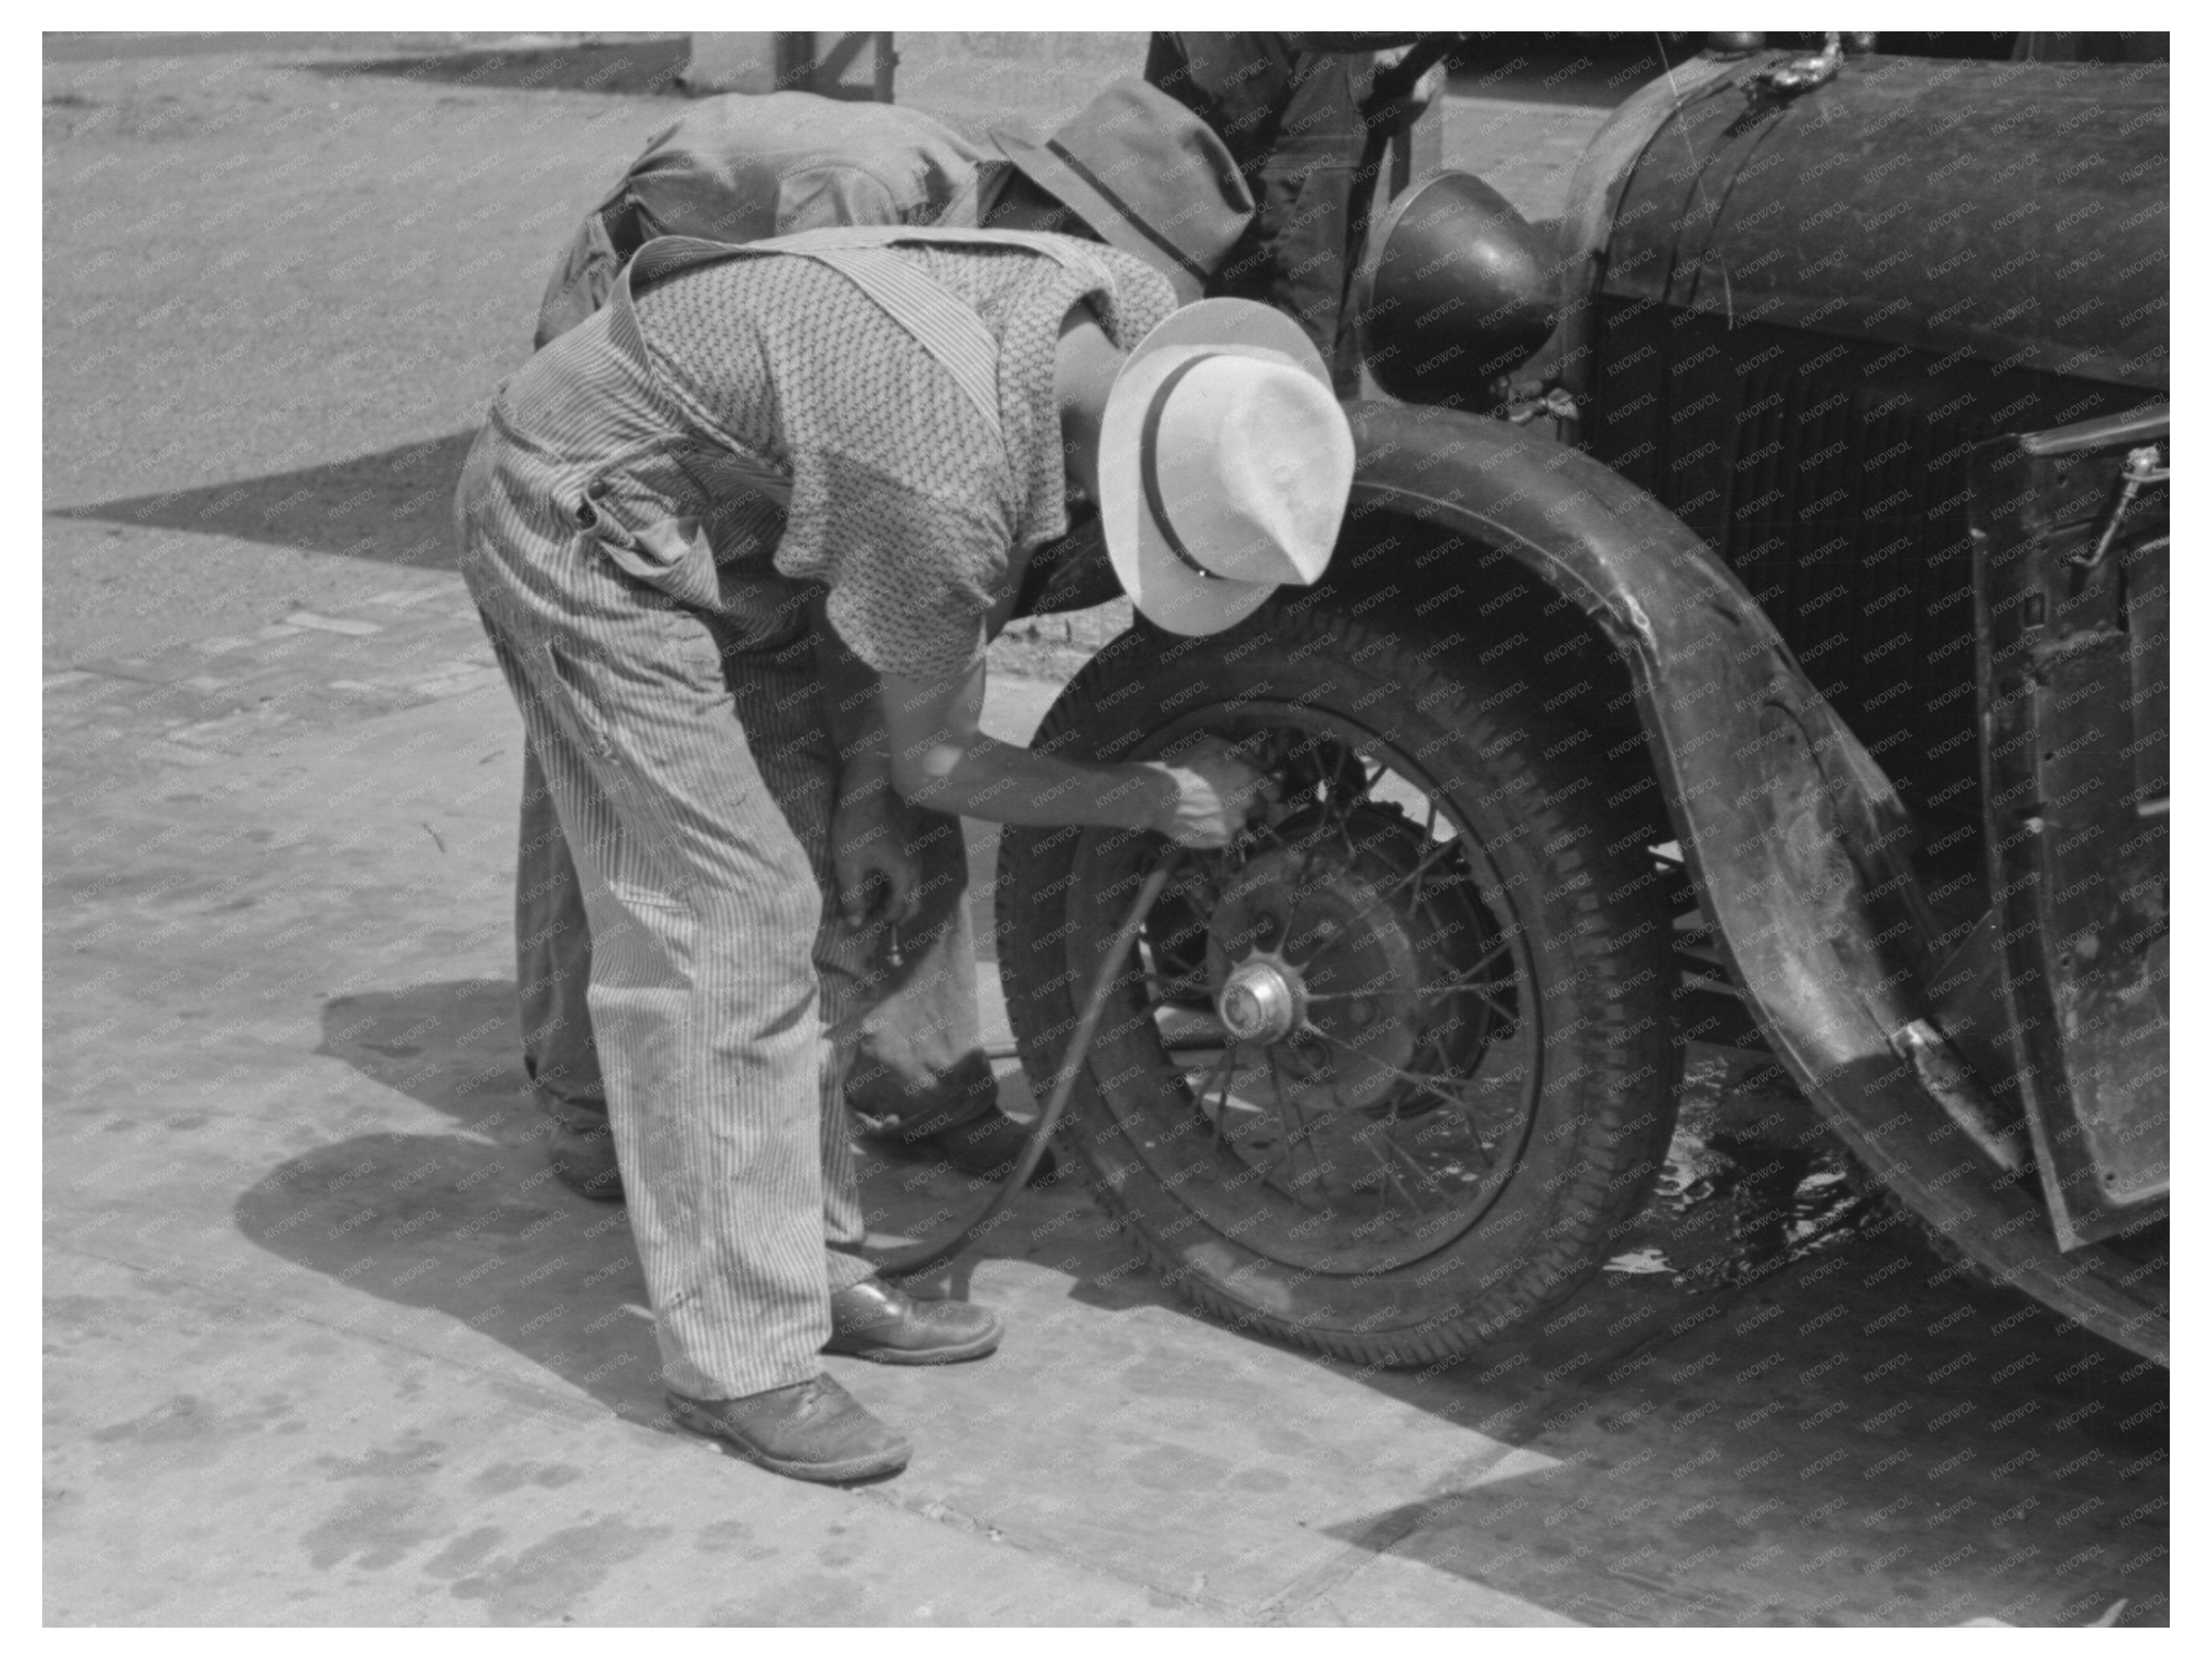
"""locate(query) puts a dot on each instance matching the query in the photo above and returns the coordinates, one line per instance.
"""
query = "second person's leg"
(553, 973)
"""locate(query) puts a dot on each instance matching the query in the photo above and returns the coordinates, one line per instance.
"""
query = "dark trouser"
(920, 1066)
(1291, 120)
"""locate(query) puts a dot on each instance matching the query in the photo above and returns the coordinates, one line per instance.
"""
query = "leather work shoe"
(872, 1321)
(812, 1431)
(986, 1146)
(585, 1161)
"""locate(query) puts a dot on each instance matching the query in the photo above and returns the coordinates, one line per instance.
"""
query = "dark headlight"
(1456, 290)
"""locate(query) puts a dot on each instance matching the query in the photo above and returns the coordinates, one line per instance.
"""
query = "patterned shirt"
(902, 503)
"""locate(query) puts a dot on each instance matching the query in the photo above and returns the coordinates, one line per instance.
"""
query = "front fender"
(1794, 839)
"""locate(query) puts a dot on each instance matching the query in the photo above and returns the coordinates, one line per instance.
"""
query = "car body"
(1839, 553)
(1890, 345)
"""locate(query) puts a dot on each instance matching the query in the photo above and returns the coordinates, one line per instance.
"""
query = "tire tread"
(1616, 1164)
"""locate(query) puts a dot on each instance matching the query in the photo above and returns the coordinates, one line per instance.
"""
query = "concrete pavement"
(311, 1285)
(326, 1343)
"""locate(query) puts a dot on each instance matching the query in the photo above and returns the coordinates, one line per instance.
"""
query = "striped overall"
(666, 680)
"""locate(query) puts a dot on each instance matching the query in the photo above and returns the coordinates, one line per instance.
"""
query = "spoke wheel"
(1380, 1077)
(1341, 1007)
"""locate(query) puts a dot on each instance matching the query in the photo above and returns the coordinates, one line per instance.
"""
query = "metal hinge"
(2143, 466)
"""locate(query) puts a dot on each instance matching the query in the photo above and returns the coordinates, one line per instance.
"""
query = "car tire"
(1495, 1199)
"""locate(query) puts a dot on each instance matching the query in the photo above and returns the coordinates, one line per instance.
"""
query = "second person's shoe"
(585, 1161)
(875, 1321)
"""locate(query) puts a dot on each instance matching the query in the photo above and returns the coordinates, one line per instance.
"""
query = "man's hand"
(876, 875)
(1217, 795)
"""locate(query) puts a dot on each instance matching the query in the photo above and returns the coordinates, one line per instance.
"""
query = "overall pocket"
(700, 525)
(640, 537)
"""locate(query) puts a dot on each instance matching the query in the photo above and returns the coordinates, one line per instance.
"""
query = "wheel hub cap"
(1310, 960)
(1258, 1003)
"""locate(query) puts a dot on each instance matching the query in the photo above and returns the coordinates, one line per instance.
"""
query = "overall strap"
(940, 321)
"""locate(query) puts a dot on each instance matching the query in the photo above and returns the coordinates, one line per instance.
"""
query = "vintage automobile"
(1819, 658)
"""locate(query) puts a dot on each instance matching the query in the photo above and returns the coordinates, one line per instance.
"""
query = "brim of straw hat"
(1168, 592)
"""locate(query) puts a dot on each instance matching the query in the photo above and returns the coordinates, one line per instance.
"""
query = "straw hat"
(1147, 175)
(1224, 464)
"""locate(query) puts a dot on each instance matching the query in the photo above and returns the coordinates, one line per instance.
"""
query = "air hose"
(920, 1257)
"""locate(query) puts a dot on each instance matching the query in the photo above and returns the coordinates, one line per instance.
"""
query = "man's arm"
(850, 690)
(868, 825)
(940, 757)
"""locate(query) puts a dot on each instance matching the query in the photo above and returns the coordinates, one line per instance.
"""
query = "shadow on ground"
(632, 67)
(473, 1226)
(393, 506)
(1855, 1433)
(470, 1224)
